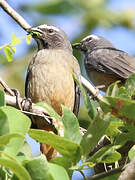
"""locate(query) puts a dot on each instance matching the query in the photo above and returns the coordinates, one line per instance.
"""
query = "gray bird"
(104, 63)
(50, 75)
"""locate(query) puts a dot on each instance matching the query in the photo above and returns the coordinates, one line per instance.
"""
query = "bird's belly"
(54, 85)
(100, 78)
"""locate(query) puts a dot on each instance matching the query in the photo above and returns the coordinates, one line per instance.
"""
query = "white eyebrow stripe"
(93, 36)
(49, 27)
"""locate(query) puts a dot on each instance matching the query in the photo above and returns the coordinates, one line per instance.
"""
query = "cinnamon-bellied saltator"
(50, 75)
(104, 63)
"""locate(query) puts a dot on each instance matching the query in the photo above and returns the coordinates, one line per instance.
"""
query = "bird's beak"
(35, 32)
(76, 45)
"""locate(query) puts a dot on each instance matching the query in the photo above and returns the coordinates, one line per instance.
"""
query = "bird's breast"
(51, 81)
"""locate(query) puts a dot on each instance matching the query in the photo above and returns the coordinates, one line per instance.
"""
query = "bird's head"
(91, 42)
(50, 37)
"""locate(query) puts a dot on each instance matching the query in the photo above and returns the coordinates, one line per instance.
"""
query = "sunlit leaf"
(15, 167)
(95, 131)
(28, 39)
(71, 126)
(63, 146)
(2, 98)
(8, 53)
(15, 40)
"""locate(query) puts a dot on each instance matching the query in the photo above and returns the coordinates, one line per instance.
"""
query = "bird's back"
(107, 65)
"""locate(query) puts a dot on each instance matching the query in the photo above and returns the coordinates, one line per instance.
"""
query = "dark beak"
(76, 46)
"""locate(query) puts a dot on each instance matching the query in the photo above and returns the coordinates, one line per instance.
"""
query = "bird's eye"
(89, 39)
(50, 30)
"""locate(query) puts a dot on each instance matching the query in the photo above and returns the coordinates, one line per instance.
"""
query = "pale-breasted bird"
(50, 75)
(104, 63)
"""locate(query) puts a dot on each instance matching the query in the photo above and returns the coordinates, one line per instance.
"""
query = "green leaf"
(29, 39)
(15, 167)
(63, 146)
(26, 150)
(58, 172)
(4, 126)
(106, 154)
(38, 168)
(71, 126)
(92, 108)
(62, 161)
(113, 129)
(8, 53)
(3, 174)
(18, 123)
(113, 89)
(49, 109)
(95, 131)
(131, 153)
(65, 162)
(120, 107)
(130, 85)
(13, 49)
(2, 98)
(15, 40)
(6, 138)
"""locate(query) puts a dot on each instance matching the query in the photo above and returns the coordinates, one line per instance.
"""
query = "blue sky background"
(122, 38)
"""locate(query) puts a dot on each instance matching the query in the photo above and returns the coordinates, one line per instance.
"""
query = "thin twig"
(84, 177)
(91, 88)
(19, 19)
(108, 173)
(6, 88)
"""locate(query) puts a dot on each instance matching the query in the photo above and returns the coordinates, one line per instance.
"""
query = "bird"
(50, 76)
(104, 63)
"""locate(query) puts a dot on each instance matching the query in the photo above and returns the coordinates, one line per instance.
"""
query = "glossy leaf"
(4, 125)
(113, 89)
(130, 85)
(57, 172)
(2, 98)
(131, 153)
(63, 146)
(95, 131)
(49, 109)
(8, 53)
(106, 154)
(71, 126)
(15, 167)
(38, 168)
(28, 39)
(6, 138)
(18, 123)
(15, 40)
(120, 107)
(13, 49)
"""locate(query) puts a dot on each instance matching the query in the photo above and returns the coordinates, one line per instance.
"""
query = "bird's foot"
(26, 104)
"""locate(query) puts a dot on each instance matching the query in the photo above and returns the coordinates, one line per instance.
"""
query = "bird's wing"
(76, 69)
(77, 99)
(112, 62)
(26, 84)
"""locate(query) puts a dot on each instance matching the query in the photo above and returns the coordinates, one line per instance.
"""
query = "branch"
(5, 6)
(108, 173)
(91, 88)
(129, 172)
